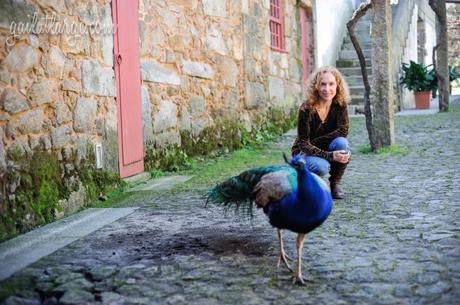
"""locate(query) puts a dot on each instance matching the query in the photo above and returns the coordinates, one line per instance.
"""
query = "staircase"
(348, 64)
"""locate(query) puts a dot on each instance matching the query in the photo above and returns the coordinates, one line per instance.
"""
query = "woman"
(323, 127)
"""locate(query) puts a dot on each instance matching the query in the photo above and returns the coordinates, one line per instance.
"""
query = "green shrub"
(417, 77)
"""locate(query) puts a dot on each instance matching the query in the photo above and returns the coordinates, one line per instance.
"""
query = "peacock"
(290, 195)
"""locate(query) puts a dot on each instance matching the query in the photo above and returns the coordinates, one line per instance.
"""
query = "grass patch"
(365, 149)
(156, 173)
(453, 109)
(211, 171)
(393, 149)
(112, 199)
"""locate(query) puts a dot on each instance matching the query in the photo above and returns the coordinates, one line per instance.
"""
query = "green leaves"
(453, 73)
(416, 77)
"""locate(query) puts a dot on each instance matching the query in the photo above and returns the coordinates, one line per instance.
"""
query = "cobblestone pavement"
(394, 240)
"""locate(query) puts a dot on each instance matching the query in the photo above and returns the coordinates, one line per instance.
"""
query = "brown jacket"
(314, 136)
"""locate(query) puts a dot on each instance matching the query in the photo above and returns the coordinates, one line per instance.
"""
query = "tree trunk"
(361, 11)
(441, 64)
(383, 96)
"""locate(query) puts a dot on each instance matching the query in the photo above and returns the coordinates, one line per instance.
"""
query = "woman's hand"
(340, 156)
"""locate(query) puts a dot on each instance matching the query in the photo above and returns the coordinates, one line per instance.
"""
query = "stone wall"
(204, 60)
(58, 87)
(57, 94)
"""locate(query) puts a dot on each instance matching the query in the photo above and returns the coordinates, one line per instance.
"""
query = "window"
(277, 25)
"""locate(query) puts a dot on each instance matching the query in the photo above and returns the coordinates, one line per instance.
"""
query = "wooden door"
(128, 81)
(308, 41)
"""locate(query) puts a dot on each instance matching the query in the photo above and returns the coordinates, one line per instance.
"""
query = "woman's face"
(327, 88)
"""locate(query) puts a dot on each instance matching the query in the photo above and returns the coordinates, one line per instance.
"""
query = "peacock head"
(297, 162)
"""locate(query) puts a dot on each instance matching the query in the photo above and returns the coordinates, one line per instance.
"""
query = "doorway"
(128, 82)
(308, 41)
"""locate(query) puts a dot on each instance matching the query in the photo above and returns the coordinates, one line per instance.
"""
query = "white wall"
(426, 13)
(422, 10)
(331, 17)
(410, 53)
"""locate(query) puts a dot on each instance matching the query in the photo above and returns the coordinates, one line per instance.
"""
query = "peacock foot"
(283, 257)
(299, 279)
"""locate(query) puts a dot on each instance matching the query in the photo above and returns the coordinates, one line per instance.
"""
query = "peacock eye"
(298, 163)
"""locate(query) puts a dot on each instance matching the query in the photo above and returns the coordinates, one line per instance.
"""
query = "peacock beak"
(294, 162)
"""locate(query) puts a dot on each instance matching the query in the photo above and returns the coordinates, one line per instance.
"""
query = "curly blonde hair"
(314, 80)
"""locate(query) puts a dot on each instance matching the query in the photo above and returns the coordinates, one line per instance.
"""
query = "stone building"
(89, 89)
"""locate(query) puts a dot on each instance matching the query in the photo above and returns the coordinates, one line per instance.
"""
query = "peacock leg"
(298, 273)
(283, 256)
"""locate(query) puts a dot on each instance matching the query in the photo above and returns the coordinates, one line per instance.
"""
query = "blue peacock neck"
(308, 187)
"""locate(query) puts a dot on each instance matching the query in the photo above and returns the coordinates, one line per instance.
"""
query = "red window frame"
(276, 25)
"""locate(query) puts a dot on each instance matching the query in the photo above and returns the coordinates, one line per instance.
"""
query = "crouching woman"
(323, 127)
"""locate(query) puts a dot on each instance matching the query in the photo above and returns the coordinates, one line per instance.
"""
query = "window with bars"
(277, 25)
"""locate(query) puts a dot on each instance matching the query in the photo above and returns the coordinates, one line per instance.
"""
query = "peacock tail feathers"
(237, 192)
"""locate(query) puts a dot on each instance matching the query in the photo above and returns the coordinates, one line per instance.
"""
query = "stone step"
(348, 63)
(357, 99)
(362, 31)
(356, 80)
(349, 45)
(355, 109)
(344, 63)
(354, 71)
(362, 39)
(356, 90)
(350, 54)
(137, 179)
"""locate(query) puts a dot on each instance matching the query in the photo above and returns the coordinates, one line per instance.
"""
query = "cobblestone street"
(394, 240)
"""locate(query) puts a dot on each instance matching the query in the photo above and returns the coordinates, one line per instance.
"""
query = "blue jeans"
(321, 166)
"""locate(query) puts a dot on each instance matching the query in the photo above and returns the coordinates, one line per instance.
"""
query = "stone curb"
(23, 250)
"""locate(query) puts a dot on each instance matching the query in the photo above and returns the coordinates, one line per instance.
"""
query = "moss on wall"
(225, 135)
(33, 187)
(37, 187)
(96, 181)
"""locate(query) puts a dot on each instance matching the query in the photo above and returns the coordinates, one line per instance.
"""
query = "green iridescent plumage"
(239, 189)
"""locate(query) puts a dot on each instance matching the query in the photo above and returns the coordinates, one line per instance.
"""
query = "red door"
(128, 80)
(308, 41)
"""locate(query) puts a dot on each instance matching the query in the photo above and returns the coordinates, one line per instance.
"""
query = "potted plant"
(422, 80)
(453, 75)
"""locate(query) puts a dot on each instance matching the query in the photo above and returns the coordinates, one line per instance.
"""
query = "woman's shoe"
(337, 191)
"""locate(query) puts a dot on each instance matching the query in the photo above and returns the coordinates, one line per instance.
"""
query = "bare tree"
(380, 127)
(440, 62)
(361, 11)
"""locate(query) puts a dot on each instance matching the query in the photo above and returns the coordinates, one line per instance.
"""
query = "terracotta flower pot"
(422, 99)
